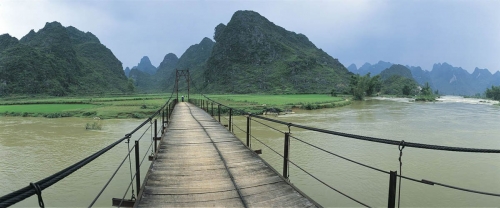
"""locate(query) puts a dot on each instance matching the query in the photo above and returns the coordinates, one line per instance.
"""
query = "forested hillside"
(193, 59)
(253, 55)
(59, 61)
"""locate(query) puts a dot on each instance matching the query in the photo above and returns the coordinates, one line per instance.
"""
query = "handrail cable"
(386, 141)
(268, 147)
(112, 176)
(23, 193)
(269, 126)
(428, 182)
(324, 183)
(371, 139)
(239, 128)
(339, 156)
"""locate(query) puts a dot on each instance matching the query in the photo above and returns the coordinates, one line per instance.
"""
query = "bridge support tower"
(178, 75)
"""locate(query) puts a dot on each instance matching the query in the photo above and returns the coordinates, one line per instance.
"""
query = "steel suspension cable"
(324, 183)
(268, 147)
(371, 139)
(113, 175)
(339, 156)
(23, 193)
(269, 126)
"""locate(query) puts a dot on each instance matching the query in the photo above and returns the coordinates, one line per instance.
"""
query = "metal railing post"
(248, 131)
(392, 189)
(162, 119)
(156, 133)
(212, 103)
(285, 157)
(218, 109)
(230, 121)
(168, 112)
(137, 168)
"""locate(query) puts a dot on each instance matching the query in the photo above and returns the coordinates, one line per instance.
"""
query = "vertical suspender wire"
(130, 166)
(152, 139)
(289, 144)
(400, 147)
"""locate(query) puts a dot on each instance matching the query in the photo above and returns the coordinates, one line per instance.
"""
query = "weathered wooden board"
(190, 172)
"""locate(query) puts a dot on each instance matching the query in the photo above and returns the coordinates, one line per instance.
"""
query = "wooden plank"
(189, 171)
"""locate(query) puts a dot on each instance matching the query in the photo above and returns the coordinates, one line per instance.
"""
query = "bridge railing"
(36, 188)
(165, 112)
(219, 110)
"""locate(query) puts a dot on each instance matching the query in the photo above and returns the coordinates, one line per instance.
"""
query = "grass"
(280, 99)
(125, 106)
(142, 106)
(44, 108)
(262, 103)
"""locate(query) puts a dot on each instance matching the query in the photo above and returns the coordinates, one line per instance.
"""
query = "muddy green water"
(33, 148)
(452, 122)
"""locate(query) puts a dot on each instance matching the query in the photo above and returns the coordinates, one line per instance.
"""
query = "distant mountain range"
(445, 78)
(59, 61)
(163, 79)
(251, 55)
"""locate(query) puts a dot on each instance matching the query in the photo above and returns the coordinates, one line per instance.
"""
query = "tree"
(362, 86)
(374, 86)
(493, 93)
(333, 93)
(130, 85)
(426, 90)
(406, 90)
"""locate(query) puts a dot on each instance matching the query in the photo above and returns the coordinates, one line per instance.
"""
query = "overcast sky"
(463, 33)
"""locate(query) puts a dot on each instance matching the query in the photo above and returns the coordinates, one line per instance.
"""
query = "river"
(33, 148)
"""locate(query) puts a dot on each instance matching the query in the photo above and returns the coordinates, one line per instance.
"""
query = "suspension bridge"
(197, 161)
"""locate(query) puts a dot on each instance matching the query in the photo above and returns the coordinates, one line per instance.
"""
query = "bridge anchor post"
(218, 110)
(248, 131)
(286, 153)
(230, 120)
(392, 189)
(137, 168)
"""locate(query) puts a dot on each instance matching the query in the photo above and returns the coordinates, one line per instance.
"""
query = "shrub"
(96, 125)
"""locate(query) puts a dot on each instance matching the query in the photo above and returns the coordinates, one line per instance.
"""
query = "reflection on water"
(448, 122)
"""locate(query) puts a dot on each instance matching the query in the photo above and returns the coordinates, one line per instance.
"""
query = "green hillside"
(253, 55)
(58, 61)
(398, 80)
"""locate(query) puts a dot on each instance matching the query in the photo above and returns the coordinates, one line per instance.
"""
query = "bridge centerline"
(185, 172)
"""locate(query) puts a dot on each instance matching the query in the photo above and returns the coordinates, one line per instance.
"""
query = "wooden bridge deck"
(201, 164)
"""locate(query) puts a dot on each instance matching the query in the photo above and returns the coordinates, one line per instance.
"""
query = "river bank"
(142, 106)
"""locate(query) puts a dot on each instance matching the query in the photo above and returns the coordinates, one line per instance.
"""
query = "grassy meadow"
(143, 105)
(258, 103)
(136, 106)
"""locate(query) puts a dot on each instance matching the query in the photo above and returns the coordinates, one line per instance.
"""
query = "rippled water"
(453, 121)
(34, 148)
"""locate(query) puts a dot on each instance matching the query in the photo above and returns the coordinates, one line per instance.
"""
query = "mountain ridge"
(446, 78)
(58, 60)
(251, 55)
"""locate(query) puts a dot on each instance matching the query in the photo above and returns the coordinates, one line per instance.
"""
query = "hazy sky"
(462, 33)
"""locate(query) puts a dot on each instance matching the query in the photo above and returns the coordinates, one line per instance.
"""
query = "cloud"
(461, 32)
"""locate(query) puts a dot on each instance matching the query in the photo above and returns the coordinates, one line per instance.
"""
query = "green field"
(136, 106)
(260, 103)
(142, 106)
(279, 99)
(44, 108)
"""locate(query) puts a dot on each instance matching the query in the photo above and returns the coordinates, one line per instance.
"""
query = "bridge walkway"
(201, 164)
